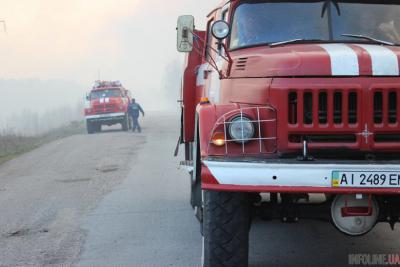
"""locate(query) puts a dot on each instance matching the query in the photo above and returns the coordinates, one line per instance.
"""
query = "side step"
(186, 165)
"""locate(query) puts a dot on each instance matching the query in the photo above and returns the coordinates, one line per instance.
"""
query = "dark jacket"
(134, 109)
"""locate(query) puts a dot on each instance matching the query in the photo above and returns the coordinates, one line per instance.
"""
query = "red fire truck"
(107, 104)
(291, 110)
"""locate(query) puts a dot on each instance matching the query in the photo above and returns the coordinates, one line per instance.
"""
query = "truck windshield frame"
(256, 23)
(105, 93)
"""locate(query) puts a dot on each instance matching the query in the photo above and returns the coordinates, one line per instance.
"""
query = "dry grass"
(12, 145)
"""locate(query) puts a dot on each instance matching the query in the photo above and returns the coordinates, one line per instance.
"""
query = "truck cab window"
(105, 93)
(260, 23)
(377, 20)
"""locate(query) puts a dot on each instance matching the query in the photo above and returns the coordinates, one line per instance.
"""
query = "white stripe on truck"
(344, 60)
(384, 60)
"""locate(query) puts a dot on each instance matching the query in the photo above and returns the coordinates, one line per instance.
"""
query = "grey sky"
(129, 40)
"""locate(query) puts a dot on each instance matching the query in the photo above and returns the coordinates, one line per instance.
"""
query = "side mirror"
(185, 30)
(87, 97)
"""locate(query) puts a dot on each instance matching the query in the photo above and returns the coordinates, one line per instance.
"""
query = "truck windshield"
(105, 93)
(258, 23)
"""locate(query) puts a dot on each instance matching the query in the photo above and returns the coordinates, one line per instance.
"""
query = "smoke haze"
(54, 50)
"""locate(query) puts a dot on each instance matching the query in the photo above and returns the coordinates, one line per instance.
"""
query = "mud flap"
(177, 147)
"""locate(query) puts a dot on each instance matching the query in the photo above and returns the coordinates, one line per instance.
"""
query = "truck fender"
(207, 116)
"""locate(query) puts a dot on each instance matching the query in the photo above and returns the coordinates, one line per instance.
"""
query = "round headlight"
(220, 29)
(241, 129)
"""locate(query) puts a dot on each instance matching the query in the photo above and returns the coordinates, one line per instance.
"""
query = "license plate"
(386, 179)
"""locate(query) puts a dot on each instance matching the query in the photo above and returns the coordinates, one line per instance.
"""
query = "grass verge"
(13, 145)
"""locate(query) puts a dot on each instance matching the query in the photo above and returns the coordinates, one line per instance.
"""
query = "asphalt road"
(118, 199)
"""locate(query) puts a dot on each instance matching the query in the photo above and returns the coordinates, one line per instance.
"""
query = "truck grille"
(326, 107)
(385, 117)
(364, 117)
(106, 108)
(352, 115)
(385, 106)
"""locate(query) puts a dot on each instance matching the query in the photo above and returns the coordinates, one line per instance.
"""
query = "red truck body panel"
(343, 97)
(190, 91)
(300, 60)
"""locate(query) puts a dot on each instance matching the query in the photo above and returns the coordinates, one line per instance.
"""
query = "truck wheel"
(89, 127)
(125, 123)
(226, 224)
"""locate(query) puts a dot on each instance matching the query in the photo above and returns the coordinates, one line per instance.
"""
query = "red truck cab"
(285, 103)
(107, 104)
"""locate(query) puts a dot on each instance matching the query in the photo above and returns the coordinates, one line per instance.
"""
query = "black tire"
(89, 127)
(226, 224)
(125, 123)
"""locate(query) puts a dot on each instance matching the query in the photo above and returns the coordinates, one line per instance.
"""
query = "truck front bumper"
(288, 177)
(106, 117)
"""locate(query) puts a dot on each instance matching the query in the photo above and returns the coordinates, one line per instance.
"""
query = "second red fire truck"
(291, 110)
(107, 104)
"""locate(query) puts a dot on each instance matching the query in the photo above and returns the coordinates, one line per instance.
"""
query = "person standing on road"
(133, 110)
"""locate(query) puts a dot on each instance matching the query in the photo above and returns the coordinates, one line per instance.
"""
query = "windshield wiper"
(292, 41)
(359, 36)
(326, 6)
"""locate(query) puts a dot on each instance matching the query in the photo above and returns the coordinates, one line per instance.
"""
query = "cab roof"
(103, 85)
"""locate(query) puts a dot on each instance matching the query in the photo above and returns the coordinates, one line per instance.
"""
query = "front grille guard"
(265, 137)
